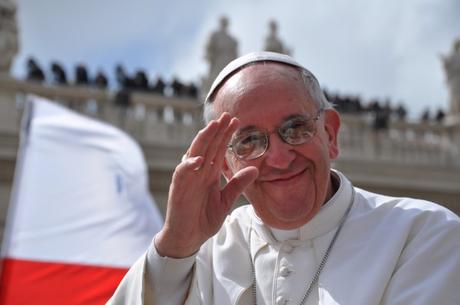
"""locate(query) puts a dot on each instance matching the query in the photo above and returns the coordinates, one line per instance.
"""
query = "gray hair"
(309, 80)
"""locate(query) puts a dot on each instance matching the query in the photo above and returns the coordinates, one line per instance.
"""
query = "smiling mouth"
(286, 179)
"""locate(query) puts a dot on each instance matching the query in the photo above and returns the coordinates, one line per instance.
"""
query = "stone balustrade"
(149, 118)
(409, 159)
(170, 121)
(402, 143)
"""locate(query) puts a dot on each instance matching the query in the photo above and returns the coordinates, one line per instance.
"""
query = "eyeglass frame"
(267, 134)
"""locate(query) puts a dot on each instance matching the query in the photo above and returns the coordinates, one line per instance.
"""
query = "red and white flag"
(80, 212)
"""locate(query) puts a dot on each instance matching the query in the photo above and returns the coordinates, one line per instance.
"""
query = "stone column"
(9, 116)
(8, 50)
(8, 34)
(451, 65)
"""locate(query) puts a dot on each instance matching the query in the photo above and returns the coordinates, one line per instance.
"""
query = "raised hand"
(197, 203)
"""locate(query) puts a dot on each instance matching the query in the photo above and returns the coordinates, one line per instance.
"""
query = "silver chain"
(321, 264)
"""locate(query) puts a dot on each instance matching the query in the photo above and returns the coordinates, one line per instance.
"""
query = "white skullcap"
(248, 59)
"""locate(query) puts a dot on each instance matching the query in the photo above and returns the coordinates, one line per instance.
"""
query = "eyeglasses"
(251, 143)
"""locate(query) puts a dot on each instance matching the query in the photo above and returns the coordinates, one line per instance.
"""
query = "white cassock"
(389, 251)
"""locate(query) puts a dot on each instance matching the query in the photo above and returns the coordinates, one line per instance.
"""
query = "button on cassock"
(281, 301)
(284, 271)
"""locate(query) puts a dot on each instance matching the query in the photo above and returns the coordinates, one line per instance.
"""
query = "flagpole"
(18, 170)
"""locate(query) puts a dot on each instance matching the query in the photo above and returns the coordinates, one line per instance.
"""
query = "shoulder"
(404, 214)
(404, 229)
(387, 204)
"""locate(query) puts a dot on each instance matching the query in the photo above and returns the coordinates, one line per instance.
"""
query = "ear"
(332, 126)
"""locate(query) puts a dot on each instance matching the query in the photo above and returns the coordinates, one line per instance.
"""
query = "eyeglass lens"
(253, 143)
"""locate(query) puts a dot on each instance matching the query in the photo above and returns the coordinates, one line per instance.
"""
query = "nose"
(279, 154)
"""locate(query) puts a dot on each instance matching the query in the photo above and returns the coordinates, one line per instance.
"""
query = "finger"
(190, 164)
(182, 174)
(224, 123)
(206, 137)
(201, 140)
(239, 182)
(219, 156)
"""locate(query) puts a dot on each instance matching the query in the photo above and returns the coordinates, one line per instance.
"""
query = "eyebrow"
(296, 116)
(286, 118)
(246, 128)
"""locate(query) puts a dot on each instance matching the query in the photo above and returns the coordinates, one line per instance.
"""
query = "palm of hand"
(197, 204)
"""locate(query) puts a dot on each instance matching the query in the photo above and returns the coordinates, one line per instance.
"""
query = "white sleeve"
(155, 280)
(167, 279)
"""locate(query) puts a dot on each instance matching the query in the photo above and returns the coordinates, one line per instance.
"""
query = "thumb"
(237, 184)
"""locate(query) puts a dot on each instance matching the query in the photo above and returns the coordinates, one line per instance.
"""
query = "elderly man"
(308, 236)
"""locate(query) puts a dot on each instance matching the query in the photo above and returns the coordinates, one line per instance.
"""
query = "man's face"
(293, 181)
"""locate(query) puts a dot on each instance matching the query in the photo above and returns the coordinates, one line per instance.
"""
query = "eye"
(245, 144)
(297, 131)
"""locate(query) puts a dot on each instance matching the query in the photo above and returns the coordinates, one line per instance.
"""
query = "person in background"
(59, 75)
(34, 71)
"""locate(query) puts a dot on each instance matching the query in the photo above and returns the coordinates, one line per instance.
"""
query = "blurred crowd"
(139, 81)
(382, 112)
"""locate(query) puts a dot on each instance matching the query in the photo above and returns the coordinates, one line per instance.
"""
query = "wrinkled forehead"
(263, 87)
(233, 85)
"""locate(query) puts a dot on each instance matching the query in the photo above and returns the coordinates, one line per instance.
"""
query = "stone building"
(413, 159)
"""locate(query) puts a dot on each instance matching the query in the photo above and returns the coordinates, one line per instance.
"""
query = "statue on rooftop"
(451, 64)
(272, 42)
(8, 34)
(221, 49)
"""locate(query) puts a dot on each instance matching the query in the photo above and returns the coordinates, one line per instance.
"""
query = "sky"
(377, 49)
